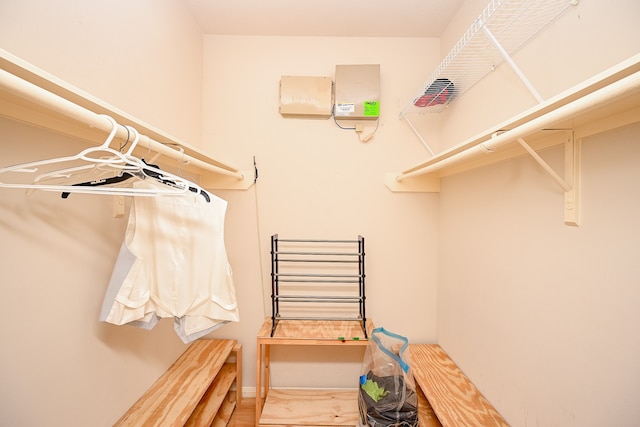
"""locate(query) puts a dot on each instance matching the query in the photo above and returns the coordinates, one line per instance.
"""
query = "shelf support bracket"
(571, 182)
(511, 62)
(572, 171)
(418, 134)
(566, 187)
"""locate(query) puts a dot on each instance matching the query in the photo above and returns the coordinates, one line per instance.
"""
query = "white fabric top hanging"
(181, 269)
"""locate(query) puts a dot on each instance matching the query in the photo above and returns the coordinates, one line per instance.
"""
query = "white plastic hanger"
(103, 158)
(91, 171)
(164, 177)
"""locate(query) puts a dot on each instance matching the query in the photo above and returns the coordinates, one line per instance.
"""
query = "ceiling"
(327, 18)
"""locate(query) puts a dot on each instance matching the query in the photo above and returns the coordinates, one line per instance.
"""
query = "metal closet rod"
(344, 281)
(342, 261)
(599, 97)
(315, 253)
(315, 275)
(316, 241)
(55, 103)
(312, 298)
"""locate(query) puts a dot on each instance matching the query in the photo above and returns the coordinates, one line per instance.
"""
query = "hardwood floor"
(244, 415)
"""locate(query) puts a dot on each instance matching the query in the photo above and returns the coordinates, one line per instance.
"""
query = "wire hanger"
(100, 157)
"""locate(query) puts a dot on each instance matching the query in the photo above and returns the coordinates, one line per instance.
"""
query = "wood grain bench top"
(174, 396)
(453, 397)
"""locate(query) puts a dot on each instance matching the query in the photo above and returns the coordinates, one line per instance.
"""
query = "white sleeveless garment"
(173, 263)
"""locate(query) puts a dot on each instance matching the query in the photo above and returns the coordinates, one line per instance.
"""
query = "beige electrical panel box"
(357, 92)
(302, 96)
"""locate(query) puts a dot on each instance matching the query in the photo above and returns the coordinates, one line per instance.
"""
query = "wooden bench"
(446, 397)
(195, 390)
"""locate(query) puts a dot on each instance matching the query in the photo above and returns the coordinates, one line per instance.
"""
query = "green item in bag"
(374, 390)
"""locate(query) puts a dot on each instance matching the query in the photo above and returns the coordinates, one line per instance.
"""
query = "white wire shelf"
(511, 23)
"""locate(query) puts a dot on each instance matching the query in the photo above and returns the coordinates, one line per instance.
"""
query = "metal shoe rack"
(317, 280)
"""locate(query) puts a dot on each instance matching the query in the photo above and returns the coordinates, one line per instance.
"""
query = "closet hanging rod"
(626, 85)
(34, 94)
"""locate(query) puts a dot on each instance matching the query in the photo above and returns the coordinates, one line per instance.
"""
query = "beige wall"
(144, 57)
(59, 366)
(318, 181)
(541, 316)
(315, 180)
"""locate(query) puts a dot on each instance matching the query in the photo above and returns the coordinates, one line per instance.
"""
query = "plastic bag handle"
(397, 358)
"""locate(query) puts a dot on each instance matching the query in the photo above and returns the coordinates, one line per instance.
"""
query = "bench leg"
(238, 351)
(258, 383)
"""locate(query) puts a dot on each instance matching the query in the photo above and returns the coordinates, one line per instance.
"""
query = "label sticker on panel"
(345, 108)
(372, 108)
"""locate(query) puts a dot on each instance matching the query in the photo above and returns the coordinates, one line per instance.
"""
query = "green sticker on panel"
(372, 108)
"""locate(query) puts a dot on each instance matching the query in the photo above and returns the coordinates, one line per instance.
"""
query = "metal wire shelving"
(317, 279)
(502, 28)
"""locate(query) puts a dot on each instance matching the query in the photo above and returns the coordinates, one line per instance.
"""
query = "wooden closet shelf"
(305, 407)
(311, 332)
(310, 407)
(195, 390)
(450, 396)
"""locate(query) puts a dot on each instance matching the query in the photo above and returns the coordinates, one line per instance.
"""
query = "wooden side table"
(330, 407)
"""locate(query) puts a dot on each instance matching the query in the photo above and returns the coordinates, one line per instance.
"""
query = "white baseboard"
(249, 392)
